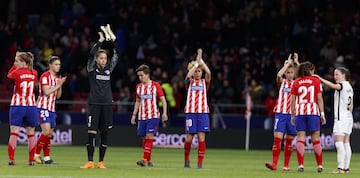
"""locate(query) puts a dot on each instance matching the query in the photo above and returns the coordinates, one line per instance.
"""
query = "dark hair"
(53, 58)
(145, 68)
(304, 69)
(345, 71)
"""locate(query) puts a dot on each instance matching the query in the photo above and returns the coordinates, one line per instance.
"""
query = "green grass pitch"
(121, 162)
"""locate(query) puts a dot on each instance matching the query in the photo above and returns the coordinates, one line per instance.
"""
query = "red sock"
(300, 150)
(201, 151)
(46, 147)
(318, 152)
(143, 143)
(31, 147)
(187, 148)
(40, 144)
(12, 145)
(287, 151)
(276, 150)
(147, 149)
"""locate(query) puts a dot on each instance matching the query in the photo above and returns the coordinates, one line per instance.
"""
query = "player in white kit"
(343, 118)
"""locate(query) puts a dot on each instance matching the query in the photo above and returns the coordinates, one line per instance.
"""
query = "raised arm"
(207, 71)
(94, 49)
(199, 62)
(296, 59)
(335, 86)
(115, 57)
(11, 72)
(191, 71)
(281, 72)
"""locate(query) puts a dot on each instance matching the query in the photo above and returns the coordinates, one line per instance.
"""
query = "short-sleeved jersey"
(149, 95)
(306, 90)
(25, 81)
(47, 102)
(196, 101)
(283, 102)
(343, 99)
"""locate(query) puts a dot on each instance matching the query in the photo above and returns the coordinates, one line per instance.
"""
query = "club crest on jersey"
(147, 96)
(107, 72)
(195, 88)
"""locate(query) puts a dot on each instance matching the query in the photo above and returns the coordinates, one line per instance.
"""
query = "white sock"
(46, 158)
(340, 154)
(348, 153)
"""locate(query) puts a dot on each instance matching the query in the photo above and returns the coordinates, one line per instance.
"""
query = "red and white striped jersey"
(306, 90)
(47, 102)
(149, 95)
(196, 101)
(283, 102)
(25, 80)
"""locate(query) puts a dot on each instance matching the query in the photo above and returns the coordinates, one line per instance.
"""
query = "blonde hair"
(28, 58)
(191, 64)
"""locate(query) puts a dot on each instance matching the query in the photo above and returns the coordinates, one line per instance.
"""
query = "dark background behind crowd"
(245, 41)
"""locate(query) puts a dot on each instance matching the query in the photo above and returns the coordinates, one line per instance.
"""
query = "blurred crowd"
(245, 42)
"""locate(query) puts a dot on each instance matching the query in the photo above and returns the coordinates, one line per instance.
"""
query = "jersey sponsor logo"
(102, 77)
(146, 96)
(286, 90)
(197, 88)
(24, 76)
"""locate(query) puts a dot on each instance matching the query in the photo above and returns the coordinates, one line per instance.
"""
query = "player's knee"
(103, 136)
(91, 139)
(47, 133)
(92, 132)
(339, 145)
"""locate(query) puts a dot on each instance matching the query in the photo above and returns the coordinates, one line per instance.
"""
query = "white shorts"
(343, 126)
